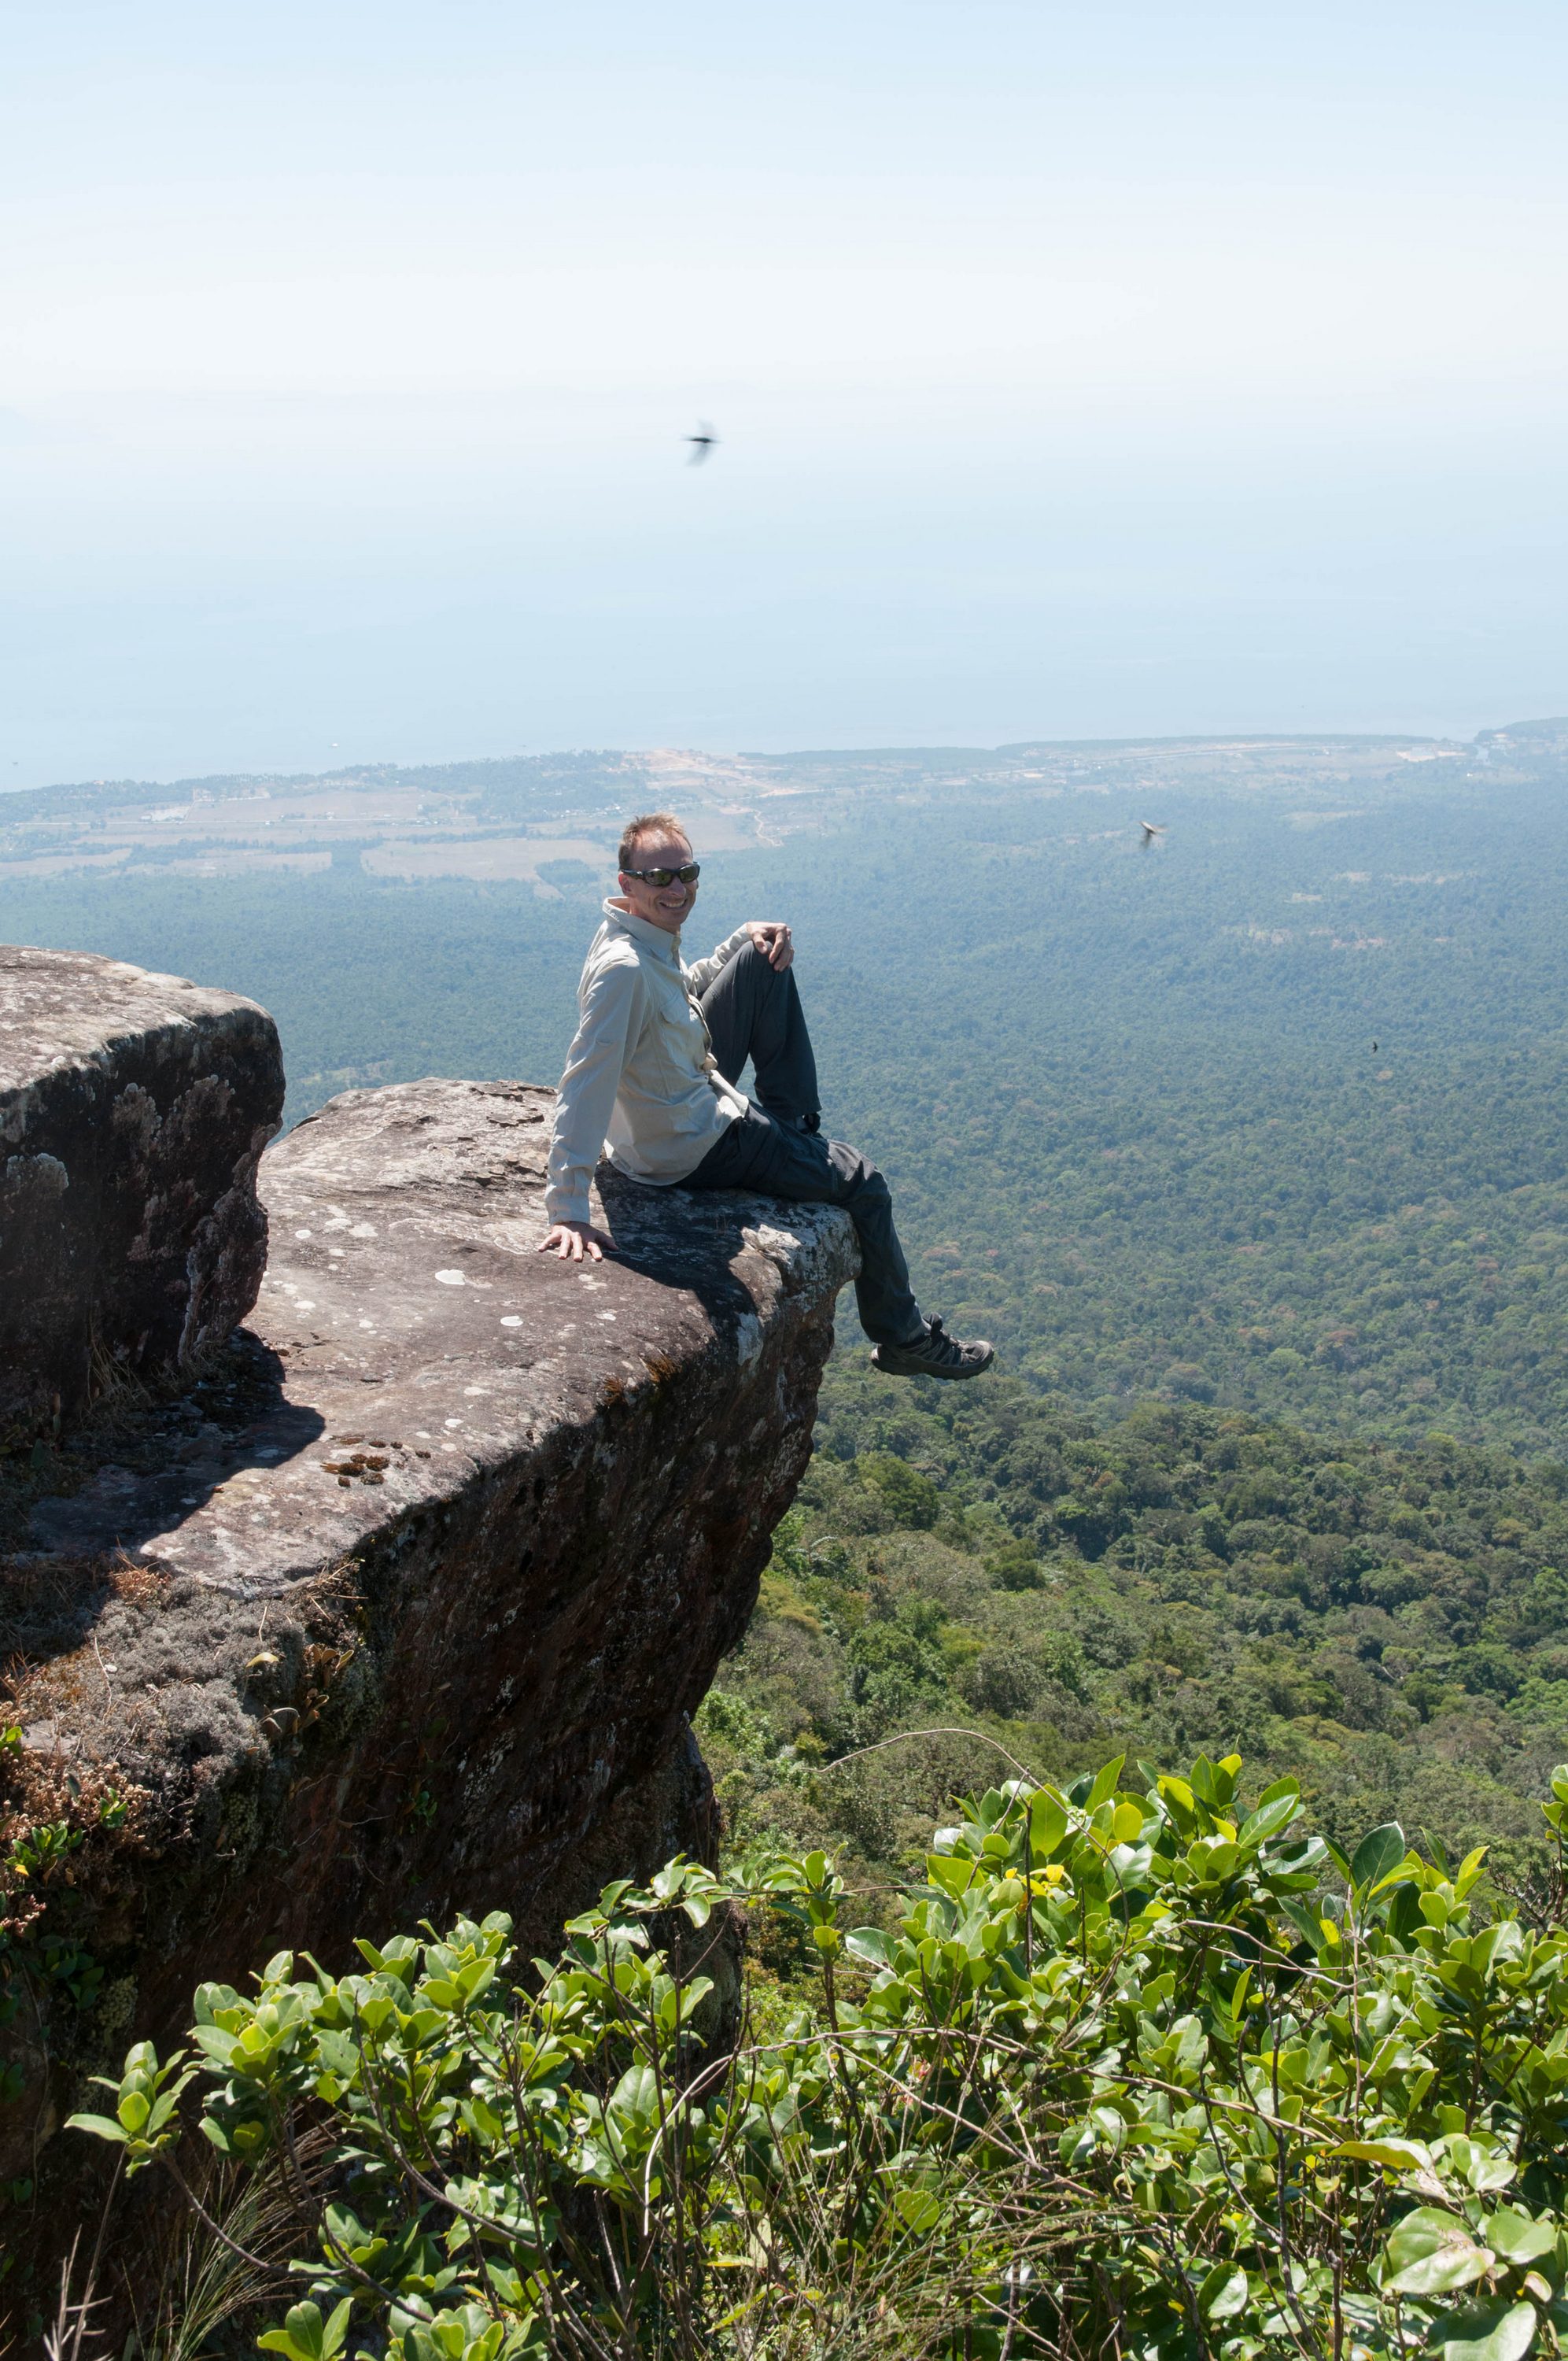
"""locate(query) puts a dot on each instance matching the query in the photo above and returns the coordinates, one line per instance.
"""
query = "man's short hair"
(646, 824)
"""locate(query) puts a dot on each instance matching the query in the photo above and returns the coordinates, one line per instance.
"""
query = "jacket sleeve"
(594, 1066)
(700, 975)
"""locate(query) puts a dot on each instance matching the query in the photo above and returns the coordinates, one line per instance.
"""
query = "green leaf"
(1517, 2238)
(1383, 1850)
(134, 2110)
(917, 2210)
(1405, 1914)
(1492, 2331)
(1404, 1872)
(1399, 2155)
(1214, 1784)
(1304, 1920)
(1223, 2293)
(1484, 2163)
(1103, 1786)
(1432, 2253)
(1049, 1823)
(102, 2127)
(1469, 1871)
(1274, 1812)
(1214, 1859)
(302, 2336)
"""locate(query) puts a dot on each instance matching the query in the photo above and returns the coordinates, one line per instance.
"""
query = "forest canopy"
(1386, 1626)
(1275, 1116)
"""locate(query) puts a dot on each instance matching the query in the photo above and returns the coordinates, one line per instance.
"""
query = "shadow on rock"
(136, 1469)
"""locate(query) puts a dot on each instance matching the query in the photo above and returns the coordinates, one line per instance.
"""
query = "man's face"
(662, 906)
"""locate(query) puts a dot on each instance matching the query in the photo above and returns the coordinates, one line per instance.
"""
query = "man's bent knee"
(753, 962)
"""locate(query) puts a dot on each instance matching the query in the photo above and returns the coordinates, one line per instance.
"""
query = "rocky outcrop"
(134, 1109)
(404, 1605)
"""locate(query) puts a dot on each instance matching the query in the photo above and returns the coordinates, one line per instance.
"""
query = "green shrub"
(1134, 2073)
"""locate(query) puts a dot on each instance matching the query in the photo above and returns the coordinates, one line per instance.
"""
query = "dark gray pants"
(753, 1011)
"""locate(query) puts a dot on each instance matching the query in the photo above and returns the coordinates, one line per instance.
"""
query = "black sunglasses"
(662, 877)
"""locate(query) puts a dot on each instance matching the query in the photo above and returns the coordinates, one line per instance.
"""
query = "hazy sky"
(1081, 370)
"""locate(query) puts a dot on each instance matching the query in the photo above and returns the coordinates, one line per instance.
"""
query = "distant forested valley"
(1388, 1626)
(1250, 1150)
(1273, 1115)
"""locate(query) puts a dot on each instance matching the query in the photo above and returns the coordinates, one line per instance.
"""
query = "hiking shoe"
(934, 1355)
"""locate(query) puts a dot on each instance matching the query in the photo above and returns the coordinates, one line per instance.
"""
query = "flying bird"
(1151, 828)
(704, 441)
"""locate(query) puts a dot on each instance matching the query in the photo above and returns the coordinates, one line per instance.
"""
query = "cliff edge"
(402, 1605)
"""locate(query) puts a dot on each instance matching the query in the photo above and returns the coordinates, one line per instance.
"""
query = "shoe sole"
(922, 1369)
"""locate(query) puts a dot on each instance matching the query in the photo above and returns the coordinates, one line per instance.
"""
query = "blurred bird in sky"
(1151, 828)
(702, 443)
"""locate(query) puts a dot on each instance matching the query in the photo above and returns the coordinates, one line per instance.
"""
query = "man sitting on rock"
(650, 1082)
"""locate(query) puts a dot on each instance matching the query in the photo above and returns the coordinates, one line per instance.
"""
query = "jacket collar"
(657, 940)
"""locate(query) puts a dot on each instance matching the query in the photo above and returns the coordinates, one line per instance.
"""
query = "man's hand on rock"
(572, 1240)
(773, 940)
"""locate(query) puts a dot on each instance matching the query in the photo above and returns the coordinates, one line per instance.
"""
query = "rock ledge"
(403, 1607)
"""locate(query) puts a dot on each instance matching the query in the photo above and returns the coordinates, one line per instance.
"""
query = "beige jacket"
(640, 1085)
